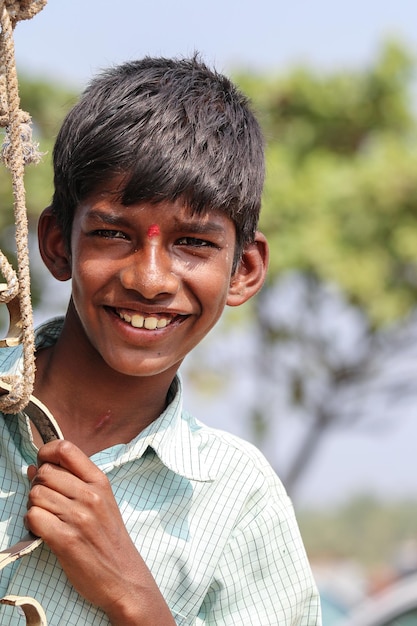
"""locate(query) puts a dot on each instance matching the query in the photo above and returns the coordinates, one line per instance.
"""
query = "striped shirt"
(204, 508)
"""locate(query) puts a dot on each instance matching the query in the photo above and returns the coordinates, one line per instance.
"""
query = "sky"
(70, 40)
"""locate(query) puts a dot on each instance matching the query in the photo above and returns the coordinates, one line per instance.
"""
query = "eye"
(195, 242)
(106, 233)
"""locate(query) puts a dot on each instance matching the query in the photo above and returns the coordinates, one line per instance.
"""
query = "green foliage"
(366, 530)
(47, 104)
(341, 192)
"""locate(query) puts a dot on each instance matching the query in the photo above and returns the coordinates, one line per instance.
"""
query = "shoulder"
(224, 445)
(237, 462)
(11, 357)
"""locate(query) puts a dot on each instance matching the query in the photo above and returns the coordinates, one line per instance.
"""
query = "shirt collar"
(179, 441)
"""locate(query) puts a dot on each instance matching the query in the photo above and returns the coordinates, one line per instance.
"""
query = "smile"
(142, 321)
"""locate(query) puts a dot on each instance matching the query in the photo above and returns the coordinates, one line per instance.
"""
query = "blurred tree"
(341, 192)
(340, 212)
(374, 533)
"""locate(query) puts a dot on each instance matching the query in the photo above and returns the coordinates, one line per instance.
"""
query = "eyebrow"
(199, 226)
(107, 217)
(194, 226)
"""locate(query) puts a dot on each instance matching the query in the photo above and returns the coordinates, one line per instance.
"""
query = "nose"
(149, 271)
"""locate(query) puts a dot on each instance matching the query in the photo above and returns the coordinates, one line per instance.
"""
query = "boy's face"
(148, 281)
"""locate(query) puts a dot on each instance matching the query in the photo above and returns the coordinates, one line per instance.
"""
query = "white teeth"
(140, 321)
(151, 323)
(136, 320)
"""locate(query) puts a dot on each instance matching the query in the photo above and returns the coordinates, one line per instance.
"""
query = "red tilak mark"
(153, 230)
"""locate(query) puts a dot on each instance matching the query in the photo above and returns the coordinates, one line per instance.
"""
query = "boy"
(148, 517)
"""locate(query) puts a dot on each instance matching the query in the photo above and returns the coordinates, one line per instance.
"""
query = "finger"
(32, 469)
(49, 500)
(56, 478)
(49, 480)
(55, 489)
(69, 457)
(44, 524)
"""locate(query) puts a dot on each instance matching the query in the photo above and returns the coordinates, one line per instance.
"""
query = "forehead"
(106, 205)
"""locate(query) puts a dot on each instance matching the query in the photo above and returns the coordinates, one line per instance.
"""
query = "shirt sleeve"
(263, 577)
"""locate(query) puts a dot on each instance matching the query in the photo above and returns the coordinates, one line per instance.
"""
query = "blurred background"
(320, 370)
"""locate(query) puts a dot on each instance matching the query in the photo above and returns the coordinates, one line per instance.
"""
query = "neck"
(96, 407)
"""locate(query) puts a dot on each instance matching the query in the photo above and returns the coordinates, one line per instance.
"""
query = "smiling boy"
(148, 516)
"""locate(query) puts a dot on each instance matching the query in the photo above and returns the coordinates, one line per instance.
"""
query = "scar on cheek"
(153, 230)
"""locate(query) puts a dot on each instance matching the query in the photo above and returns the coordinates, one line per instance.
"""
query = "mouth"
(149, 322)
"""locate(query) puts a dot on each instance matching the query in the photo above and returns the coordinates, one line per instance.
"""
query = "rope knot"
(11, 116)
(30, 149)
(10, 289)
(12, 401)
(23, 9)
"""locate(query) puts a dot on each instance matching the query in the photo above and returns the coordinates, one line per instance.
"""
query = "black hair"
(170, 129)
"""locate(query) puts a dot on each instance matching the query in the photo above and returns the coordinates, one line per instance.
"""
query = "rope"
(18, 150)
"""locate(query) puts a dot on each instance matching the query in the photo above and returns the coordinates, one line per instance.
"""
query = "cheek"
(214, 289)
(88, 276)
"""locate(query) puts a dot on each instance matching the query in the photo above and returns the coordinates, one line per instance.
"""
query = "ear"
(250, 273)
(52, 246)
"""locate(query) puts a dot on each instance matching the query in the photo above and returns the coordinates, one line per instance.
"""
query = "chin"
(142, 368)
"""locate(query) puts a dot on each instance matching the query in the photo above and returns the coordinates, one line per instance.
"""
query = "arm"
(72, 507)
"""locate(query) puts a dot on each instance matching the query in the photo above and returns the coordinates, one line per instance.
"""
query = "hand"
(72, 508)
